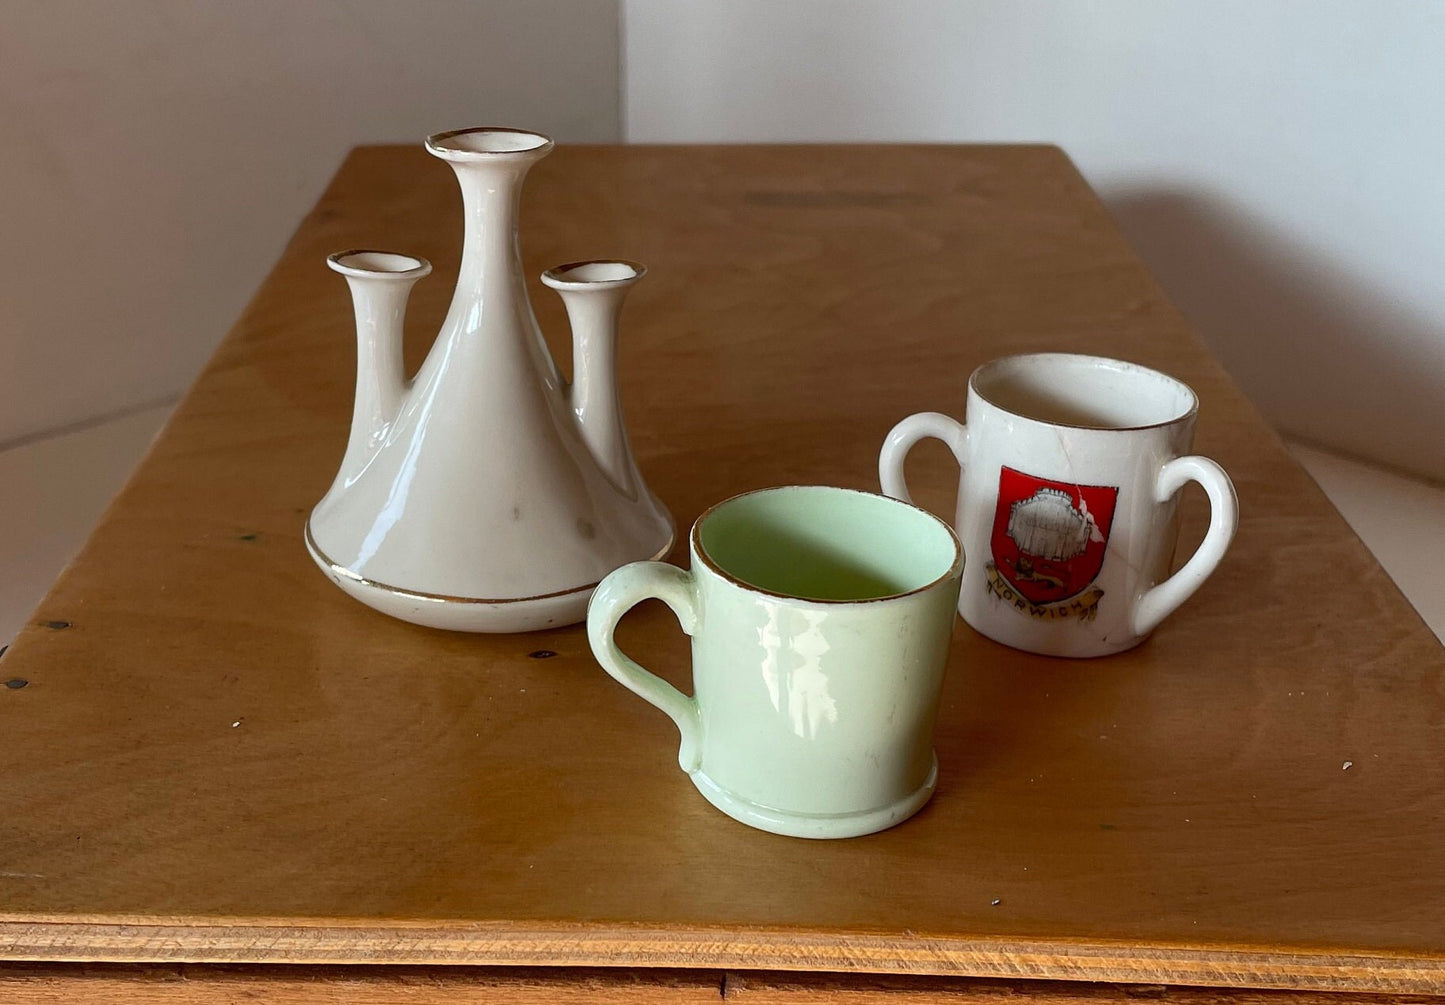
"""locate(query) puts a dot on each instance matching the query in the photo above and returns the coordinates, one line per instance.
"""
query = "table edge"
(142, 940)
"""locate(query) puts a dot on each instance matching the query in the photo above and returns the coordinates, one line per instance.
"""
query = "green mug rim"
(700, 553)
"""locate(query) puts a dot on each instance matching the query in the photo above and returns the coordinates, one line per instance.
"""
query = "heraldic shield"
(1049, 540)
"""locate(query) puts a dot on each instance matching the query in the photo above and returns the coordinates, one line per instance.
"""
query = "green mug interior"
(822, 543)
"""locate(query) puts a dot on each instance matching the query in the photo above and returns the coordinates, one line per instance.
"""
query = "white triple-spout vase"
(485, 493)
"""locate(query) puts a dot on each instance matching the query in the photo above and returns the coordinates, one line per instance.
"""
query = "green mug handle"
(621, 591)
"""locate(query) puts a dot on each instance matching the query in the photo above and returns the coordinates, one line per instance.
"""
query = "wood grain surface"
(189, 984)
(216, 756)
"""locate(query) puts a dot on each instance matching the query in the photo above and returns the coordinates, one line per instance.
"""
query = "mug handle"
(1162, 600)
(621, 591)
(901, 439)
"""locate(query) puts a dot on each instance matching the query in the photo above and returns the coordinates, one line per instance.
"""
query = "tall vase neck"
(491, 199)
(490, 165)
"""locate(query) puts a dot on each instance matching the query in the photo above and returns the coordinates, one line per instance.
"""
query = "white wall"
(155, 156)
(1279, 164)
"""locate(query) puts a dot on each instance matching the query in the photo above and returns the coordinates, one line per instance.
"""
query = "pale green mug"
(820, 621)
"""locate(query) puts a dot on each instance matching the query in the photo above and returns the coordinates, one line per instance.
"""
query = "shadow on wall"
(1325, 356)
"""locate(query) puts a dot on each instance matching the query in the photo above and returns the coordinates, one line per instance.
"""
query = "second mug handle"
(1158, 602)
(621, 591)
(902, 438)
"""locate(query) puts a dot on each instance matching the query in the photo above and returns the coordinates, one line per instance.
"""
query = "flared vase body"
(479, 506)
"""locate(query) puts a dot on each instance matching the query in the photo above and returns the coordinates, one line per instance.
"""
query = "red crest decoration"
(1049, 537)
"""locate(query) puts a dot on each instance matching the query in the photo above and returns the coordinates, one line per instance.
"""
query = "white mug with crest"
(1067, 502)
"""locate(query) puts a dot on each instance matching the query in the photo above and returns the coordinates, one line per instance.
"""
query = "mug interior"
(1086, 391)
(827, 544)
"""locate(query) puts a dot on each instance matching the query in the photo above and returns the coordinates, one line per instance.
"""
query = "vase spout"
(593, 293)
(381, 283)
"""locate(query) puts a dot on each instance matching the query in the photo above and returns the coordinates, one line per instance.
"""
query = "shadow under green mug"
(820, 620)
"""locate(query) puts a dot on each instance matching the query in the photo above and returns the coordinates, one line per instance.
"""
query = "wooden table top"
(216, 756)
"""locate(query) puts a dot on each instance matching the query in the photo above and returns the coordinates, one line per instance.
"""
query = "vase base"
(463, 614)
(817, 825)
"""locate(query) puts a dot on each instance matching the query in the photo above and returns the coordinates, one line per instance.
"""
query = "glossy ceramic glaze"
(485, 493)
(820, 621)
(1067, 501)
